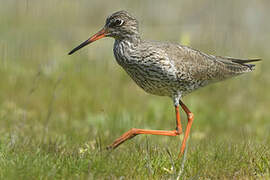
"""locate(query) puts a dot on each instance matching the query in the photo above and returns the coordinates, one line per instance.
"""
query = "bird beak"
(97, 36)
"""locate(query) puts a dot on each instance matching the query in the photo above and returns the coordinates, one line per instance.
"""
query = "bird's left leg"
(190, 117)
(133, 132)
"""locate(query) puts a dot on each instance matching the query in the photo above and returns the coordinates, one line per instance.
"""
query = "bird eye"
(117, 22)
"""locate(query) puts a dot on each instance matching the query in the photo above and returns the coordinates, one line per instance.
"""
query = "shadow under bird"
(164, 69)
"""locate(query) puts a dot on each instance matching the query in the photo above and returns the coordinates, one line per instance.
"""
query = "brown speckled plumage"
(170, 69)
(164, 69)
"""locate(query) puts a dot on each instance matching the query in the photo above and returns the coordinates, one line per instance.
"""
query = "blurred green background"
(58, 112)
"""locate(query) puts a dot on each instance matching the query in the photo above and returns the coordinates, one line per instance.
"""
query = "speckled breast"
(152, 76)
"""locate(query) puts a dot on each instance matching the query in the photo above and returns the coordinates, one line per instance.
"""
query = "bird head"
(120, 25)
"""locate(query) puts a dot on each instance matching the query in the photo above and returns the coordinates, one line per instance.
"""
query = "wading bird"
(164, 69)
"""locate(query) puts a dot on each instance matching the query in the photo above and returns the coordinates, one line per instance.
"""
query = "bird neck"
(123, 48)
(132, 40)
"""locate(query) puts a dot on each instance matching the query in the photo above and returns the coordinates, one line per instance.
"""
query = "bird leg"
(190, 117)
(133, 132)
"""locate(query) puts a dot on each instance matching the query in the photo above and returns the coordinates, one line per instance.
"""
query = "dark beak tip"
(97, 36)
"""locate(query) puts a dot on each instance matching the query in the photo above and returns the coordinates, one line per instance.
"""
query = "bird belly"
(161, 83)
(152, 81)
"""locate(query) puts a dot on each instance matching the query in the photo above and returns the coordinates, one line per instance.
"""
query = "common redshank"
(164, 69)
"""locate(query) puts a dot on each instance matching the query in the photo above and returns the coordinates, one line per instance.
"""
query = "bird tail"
(238, 65)
(244, 62)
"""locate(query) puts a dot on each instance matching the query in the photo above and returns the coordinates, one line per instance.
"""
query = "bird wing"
(201, 66)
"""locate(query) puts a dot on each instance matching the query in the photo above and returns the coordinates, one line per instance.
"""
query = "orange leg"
(190, 117)
(133, 132)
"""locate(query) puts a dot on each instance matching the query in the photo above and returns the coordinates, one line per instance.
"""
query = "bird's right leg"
(190, 117)
(133, 132)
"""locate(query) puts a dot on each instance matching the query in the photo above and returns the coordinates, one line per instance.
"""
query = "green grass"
(58, 113)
